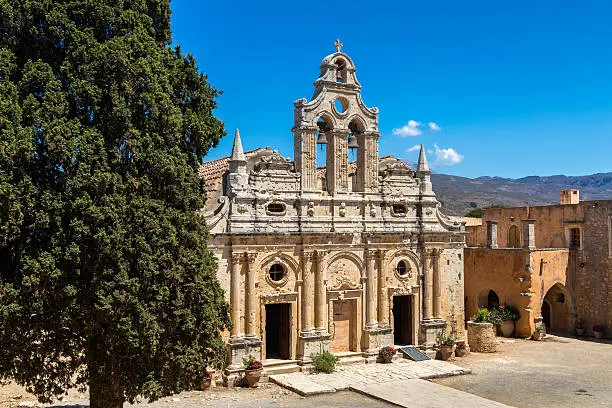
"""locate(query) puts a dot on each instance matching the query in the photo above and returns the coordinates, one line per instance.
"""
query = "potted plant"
(386, 354)
(508, 314)
(446, 342)
(208, 379)
(598, 331)
(460, 349)
(538, 333)
(252, 370)
(579, 326)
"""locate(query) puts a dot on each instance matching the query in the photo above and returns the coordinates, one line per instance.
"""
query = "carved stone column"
(320, 293)
(371, 293)
(337, 161)
(236, 259)
(307, 292)
(437, 284)
(305, 155)
(251, 296)
(428, 285)
(383, 294)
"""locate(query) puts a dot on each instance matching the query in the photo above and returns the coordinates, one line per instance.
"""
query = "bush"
(482, 316)
(508, 312)
(324, 362)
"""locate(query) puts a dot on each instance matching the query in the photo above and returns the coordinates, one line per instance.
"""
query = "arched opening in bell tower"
(341, 72)
(356, 128)
(324, 124)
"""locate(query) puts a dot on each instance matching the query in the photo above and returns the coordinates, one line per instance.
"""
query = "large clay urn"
(507, 328)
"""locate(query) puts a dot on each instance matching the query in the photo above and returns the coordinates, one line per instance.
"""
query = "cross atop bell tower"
(337, 117)
(338, 45)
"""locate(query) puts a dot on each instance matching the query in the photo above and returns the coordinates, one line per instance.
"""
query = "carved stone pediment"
(274, 162)
(398, 168)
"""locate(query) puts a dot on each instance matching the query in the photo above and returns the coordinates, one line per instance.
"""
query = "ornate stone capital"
(250, 257)
(237, 258)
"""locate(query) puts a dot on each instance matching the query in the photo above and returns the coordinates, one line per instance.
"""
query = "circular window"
(277, 272)
(401, 268)
(341, 105)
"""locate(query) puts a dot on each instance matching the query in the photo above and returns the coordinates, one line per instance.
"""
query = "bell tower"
(336, 116)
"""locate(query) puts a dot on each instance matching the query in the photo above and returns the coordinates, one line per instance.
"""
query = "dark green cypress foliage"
(104, 266)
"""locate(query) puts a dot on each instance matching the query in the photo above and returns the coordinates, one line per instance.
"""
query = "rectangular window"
(574, 238)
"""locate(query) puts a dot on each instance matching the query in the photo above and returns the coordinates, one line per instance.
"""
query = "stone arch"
(488, 298)
(327, 117)
(343, 271)
(557, 308)
(286, 261)
(513, 237)
(356, 124)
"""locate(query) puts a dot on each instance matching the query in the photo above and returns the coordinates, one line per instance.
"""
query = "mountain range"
(459, 195)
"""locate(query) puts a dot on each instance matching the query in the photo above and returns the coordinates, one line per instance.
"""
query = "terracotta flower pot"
(252, 377)
(445, 352)
(507, 328)
(461, 352)
(387, 359)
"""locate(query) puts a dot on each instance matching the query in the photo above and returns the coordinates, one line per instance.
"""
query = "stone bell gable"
(345, 256)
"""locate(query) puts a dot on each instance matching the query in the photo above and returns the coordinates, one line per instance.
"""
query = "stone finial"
(422, 165)
(237, 152)
(338, 45)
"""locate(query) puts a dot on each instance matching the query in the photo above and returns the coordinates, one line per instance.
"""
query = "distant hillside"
(460, 194)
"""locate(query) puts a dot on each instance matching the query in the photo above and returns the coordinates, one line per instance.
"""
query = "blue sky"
(518, 88)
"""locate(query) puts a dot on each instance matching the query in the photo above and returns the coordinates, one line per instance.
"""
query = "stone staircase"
(277, 366)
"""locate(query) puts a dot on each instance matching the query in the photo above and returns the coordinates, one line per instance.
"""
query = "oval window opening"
(276, 208)
(277, 272)
(399, 209)
(401, 268)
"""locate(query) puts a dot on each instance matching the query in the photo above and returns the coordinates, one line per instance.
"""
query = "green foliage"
(508, 312)
(475, 213)
(482, 316)
(445, 339)
(324, 362)
(250, 363)
(105, 274)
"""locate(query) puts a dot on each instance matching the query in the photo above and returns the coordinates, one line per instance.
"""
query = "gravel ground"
(557, 372)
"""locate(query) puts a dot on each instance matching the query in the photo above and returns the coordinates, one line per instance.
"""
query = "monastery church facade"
(348, 257)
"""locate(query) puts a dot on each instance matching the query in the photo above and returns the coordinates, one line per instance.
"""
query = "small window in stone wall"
(401, 268)
(275, 208)
(277, 272)
(399, 209)
(575, 238)
(560, 298)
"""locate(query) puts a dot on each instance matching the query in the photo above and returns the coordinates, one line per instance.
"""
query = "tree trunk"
(105, 389)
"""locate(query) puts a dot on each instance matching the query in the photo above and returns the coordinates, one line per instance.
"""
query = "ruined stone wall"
(594, 279)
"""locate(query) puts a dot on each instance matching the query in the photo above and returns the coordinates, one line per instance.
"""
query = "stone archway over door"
(345, 326)
(559, 309)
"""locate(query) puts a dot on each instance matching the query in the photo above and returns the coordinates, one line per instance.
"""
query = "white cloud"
(414, 148)
(447, 157)
(410, 129)
(434, 126)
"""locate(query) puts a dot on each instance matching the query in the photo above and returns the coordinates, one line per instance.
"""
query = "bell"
(321, 139)
(352, 142)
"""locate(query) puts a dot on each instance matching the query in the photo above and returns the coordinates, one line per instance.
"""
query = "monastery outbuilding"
(341, 256)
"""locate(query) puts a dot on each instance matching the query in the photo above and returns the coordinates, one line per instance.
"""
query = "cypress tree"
(105, 276)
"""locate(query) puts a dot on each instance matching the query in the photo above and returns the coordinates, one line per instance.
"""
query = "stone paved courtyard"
(346, 376)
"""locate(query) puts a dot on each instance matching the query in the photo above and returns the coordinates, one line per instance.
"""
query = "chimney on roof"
(569, 197)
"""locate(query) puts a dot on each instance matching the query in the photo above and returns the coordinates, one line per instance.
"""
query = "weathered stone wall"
(452, 295)
(552, 223)
(594, 278)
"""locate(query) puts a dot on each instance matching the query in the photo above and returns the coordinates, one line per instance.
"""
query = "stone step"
(350, 359)
(281, 369)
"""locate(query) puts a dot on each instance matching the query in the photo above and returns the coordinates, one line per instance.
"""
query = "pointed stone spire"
(237, 152)
(422, 165)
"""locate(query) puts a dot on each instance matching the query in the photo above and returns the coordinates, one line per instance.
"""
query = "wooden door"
(344, 326)
(284, 328)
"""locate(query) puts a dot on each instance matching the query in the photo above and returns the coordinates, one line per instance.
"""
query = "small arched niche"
(341, 71)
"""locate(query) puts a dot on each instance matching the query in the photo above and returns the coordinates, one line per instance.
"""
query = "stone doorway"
(345, 326)
(278, 331)
(402, 320)
(556, 309)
